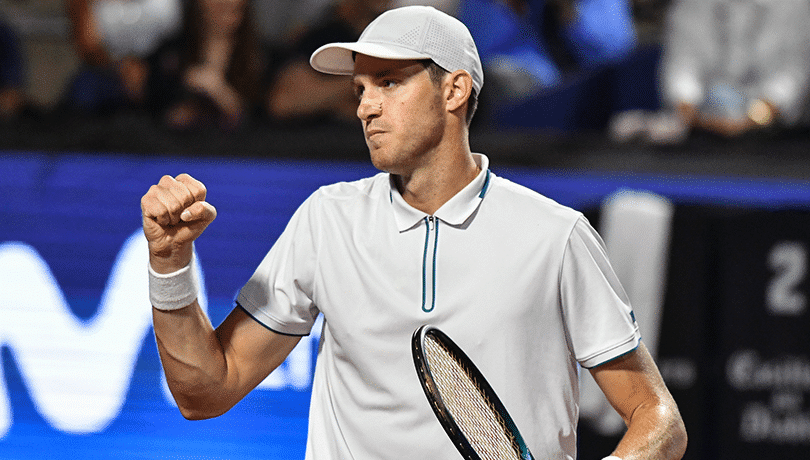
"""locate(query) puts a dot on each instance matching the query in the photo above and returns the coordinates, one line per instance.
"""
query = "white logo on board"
(78, 372)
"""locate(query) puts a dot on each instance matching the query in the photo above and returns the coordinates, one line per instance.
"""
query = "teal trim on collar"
(456, 211)
(486, 185)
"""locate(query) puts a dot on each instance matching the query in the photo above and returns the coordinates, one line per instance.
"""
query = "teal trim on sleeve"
(615, 357)
(238, 305)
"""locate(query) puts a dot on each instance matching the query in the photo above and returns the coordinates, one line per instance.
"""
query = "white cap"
(411, 32)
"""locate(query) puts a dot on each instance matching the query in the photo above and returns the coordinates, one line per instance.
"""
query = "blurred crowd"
(638, 70)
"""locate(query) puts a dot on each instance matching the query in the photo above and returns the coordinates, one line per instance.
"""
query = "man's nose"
(369, 108)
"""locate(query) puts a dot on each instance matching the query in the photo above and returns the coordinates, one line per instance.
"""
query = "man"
(327, 97)
(12, 78)
(734, 67)
(520, 282)
(112, 39)
(546, 39)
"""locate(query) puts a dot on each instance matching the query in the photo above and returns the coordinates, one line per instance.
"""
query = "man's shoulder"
(368, 187)
(531, 213)
(529, 200)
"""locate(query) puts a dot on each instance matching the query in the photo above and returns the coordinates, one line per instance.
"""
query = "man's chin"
(378, 158)
(381, 165)
(383, 162)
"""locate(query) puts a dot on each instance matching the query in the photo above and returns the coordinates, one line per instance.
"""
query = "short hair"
(437, 74)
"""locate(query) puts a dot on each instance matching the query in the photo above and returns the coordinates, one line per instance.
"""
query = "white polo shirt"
(521, 283)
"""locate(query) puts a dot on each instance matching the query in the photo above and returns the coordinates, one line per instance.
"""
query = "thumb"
(202, 211)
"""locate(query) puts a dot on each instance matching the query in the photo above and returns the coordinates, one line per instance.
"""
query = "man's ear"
(459, 88)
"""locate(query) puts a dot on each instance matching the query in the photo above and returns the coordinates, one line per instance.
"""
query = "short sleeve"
(596, 310)
(279, 293)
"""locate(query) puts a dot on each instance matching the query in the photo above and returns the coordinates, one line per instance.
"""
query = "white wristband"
(612, 457)
(172, 291)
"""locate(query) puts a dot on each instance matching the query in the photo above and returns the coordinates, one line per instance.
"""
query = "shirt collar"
(456, 211)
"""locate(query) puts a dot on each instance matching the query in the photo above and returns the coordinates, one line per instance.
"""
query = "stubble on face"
(408, 146)
(409, 127)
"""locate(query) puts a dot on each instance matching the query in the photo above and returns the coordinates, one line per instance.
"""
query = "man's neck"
(428, 188)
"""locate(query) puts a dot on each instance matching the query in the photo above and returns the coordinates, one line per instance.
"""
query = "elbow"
(200, 409)
(191, 413)
(197, 413)
(677, 436)
(198, 404)
(680, 441)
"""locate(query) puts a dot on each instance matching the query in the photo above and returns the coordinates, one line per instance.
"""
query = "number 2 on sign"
(788, 260)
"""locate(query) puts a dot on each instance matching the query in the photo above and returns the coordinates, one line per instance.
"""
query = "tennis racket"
(464, 402)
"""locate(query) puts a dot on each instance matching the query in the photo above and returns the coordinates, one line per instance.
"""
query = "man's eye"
(389, 83)
(358, 92)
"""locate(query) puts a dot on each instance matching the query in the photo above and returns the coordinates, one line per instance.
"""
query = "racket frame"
(437, 403)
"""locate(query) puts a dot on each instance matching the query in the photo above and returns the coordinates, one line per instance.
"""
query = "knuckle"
(201, 192)
(174, 206)
(209, 211)
(149, 203)
(181, 193)
(166, 181)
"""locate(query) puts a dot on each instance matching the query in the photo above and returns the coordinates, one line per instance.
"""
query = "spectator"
(213, 72)
(279, 22)
(448, 6)
(112, 39)
(302, 94)
(730, 68)
(649, 17)
(12, 98)
(528, 45)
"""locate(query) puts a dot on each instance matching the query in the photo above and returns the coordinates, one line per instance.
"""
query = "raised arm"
(86, 35)
(634, 388)
(208, 370)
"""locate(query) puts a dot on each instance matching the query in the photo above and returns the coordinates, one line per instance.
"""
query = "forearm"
(11, 102)
(653, 432)
(190, 352)
(175, 213)
(229, 103)
(327, 94)
(193, 360)
(85, 33)
(634, 387)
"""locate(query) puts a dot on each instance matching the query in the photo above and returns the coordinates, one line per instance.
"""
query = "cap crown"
(412, 32)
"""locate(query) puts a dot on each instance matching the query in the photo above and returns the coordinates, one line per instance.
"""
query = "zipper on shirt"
(429, 264)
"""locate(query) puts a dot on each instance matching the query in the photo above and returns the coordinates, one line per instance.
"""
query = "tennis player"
(520, 282)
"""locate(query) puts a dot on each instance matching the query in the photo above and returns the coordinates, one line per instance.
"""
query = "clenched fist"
(175, 213)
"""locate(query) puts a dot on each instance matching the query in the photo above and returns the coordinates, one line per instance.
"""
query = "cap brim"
(336, 58)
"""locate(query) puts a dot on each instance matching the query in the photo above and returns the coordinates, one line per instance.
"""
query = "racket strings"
(469, 407)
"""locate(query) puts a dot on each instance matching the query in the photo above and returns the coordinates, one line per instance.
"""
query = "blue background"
(77, 210)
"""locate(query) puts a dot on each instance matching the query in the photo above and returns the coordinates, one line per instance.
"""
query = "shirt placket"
(429, 264)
